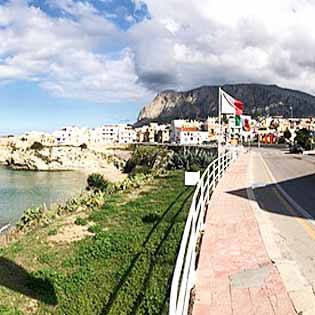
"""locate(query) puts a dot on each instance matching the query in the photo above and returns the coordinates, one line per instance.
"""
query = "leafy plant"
(52, 232)
(37, 146)
(96, 228)
(148, 157)
(304, 138)
(191, 159)
(83, 146)
(80, 221)
(98, 182)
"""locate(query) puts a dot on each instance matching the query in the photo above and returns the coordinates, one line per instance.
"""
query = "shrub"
(83, 146)
(304, 138)
(98, 182)
(52, 232)
(148, 157)
(37, 146)
(30, 216)
(96, 228)
(80, 221)
(191, 159)
(138, 169)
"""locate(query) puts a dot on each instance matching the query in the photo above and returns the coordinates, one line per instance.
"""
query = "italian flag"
(231, 105)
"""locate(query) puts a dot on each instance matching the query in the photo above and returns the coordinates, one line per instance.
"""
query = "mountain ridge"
(202, 102)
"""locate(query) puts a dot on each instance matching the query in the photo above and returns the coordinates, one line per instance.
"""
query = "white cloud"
(216, 42)
(66, 56)
(184, 44)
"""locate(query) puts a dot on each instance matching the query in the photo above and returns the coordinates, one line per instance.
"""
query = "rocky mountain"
(202, 102)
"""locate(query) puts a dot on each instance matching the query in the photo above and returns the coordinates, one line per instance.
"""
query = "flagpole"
(220, 129)
(220, 122)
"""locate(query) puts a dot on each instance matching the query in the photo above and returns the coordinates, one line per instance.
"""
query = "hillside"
(202, 102)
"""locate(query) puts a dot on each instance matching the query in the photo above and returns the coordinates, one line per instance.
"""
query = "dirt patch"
(31, 307)
(109, 171)
(135, 194)
(70, 232)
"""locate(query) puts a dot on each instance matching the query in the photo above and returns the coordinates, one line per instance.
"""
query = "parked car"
(296, 149)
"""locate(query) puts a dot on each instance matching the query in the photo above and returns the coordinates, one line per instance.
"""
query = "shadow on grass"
(16, 278)
(113, 296)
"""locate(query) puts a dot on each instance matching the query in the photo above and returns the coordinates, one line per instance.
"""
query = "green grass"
(125, 268)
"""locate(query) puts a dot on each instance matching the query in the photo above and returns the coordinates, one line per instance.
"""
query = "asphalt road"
(291, 232)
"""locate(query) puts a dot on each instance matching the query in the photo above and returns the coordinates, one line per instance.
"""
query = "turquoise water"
(20, 190)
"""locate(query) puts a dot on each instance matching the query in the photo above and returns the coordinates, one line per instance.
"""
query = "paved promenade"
(235, 275)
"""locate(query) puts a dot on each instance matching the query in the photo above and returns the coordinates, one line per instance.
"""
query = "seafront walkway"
(235, 274)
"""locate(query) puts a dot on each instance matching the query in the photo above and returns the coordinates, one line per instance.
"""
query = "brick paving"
(232, 247)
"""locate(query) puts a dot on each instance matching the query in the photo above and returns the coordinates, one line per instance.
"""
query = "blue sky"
(91, 62)
(25, 105)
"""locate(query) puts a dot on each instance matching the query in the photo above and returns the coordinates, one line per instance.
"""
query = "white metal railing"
(185, 268)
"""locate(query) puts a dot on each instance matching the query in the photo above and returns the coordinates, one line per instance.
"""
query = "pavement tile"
(241, 302)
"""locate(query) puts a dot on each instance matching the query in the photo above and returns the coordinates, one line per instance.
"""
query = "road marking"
(258, 185)
(287, 201)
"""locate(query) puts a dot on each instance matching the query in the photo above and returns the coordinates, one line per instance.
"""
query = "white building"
(126, 134)
(180, 125)
(72, 136)
(193, 137)
(104, 135)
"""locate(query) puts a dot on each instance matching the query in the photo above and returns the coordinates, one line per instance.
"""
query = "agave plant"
(188, 158)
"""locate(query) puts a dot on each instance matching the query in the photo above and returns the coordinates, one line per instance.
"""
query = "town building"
(104, 135)
(153, 133)
(189, 132)
(73, 136)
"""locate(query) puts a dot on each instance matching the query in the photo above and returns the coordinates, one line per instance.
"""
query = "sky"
(65, 62)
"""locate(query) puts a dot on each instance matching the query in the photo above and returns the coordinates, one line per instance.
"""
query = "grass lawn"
(122, 265)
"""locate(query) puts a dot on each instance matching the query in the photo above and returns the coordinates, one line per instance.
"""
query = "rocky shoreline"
(106, 161)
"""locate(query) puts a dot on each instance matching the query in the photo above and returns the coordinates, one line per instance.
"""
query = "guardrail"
(184, 274)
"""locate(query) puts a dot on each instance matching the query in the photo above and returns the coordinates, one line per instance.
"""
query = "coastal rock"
(200, 103)
(4, 154)
(58, 158)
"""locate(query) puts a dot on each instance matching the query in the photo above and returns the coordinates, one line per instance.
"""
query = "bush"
(98, 182)
(148, 157)
(96, 228)
(304, 138)
(52, 232)
(37, 146)
(80, 221)
(191, 159)
(83, 146)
